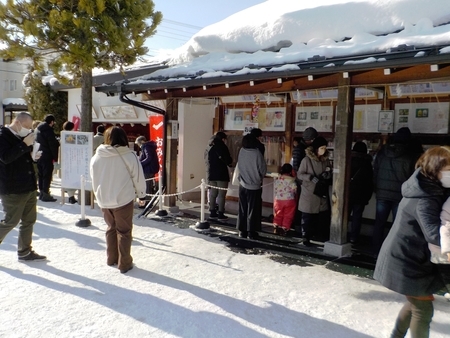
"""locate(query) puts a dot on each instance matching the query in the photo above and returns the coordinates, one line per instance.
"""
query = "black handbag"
(321, 187)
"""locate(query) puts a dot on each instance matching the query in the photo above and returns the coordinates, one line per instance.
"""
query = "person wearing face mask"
(49, 146)
(18, 184)
(315, 209)
(404, 262)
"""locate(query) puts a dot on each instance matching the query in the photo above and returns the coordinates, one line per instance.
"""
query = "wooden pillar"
(171, 153)
(290, 110)
(338, 246)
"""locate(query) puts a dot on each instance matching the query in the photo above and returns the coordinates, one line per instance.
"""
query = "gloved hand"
(326, 175)
(314, 179)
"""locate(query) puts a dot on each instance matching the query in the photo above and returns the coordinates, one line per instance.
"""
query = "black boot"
(46, 197)
(72, 200)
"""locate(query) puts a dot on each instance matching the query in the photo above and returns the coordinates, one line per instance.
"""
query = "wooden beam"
(341, 164)
(171, 154)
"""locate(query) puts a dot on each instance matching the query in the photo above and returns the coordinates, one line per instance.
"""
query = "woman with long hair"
(117, 177)
(404, 264)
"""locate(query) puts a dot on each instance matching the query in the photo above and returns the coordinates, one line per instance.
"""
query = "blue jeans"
(384, 208)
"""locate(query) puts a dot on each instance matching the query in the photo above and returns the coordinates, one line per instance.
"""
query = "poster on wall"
(268, 119)
(318, 117)
(386, 121)
(76, 154)
(365, 118)
(430, 118)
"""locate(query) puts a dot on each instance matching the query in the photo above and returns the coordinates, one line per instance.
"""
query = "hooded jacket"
(404, 264)
(149, 158)
(252, 168)
(112, 181)
(311, 166)
(17, 174)
(394, 164)
(218, 161)
(298, 153)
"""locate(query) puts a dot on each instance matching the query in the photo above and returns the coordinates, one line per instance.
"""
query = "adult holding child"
(404, 264)
(117, 177)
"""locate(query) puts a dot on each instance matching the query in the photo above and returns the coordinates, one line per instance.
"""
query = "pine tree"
(73, 37)
(42, 99)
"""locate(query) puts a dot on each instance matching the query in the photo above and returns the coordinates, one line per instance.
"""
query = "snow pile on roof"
(277, 33)
(14, 101)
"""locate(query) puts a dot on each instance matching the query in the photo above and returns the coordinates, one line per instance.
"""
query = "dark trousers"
(45, 170)
(119, 235)
(416, 316)
(384, 208)
(250, 208)
(316, 225)
(356, 211)
(149, 190)
(19, 208)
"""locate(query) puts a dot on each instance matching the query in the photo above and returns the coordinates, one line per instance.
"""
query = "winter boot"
(72, 200)
(46, 197)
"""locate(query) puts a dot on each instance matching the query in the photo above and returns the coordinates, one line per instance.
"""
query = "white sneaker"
(447, 296)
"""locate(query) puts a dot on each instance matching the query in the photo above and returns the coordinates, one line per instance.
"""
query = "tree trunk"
(86, 100)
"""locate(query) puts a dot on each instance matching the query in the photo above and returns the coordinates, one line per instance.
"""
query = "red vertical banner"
(156, 129)
(76, 122)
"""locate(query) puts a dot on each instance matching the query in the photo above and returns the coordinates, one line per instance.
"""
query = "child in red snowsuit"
(284, 206)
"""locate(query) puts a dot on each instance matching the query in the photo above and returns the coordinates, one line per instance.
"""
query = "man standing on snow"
(18, 184)
(45, 136)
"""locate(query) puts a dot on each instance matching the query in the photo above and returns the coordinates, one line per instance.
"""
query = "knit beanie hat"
(360, 147)
(319, 142)
(310, 134)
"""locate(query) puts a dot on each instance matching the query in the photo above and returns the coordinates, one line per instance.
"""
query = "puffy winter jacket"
(47, 139)
(219, 159)
(404, 264)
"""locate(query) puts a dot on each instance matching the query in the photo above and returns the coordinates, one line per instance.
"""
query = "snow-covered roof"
(278, 35)
(14, 101)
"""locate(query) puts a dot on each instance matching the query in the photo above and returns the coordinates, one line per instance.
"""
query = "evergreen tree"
(76, 36)
(42, 100)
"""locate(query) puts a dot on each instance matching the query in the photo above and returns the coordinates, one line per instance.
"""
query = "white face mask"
(23, 131)
(445, 179)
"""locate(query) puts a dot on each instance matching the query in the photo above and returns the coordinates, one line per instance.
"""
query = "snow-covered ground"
(184, 284)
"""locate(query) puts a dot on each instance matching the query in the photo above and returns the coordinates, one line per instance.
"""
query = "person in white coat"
(117, 179)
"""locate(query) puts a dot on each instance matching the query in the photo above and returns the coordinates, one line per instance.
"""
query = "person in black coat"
(403, 263)
(149, 161)
(49, 146)
(18, 184)
(218, 160)
(393, 165)
(300, 145)
(361, 187)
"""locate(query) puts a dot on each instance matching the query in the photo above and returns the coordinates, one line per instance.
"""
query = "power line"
(181, 24)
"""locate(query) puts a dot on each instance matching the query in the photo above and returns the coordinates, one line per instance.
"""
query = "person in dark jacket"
(404, 264)
(252, 169)
(49, 146)
(18, 184)
(394, 164)
(218, 161)
(257, 133)
(149, 161)
(300, 145)
(361, 187)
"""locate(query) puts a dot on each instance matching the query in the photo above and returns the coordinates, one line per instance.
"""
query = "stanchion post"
(83, 221)
(202, 225)
(161, 212)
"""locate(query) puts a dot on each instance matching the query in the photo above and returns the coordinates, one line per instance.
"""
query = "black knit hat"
(360, 147)
(310, 134)
(319, 142)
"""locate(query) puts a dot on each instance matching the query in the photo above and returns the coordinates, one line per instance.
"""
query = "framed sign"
(94, 114)
(118, 112)
(386, 121)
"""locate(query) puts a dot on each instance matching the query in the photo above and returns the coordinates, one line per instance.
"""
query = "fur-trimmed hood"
(312, 155)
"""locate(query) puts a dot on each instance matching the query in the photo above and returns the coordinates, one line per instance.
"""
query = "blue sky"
(184, 18)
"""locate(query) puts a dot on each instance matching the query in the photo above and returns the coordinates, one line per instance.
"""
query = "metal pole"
(202, 225)
(83, 221)
(161, 211)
